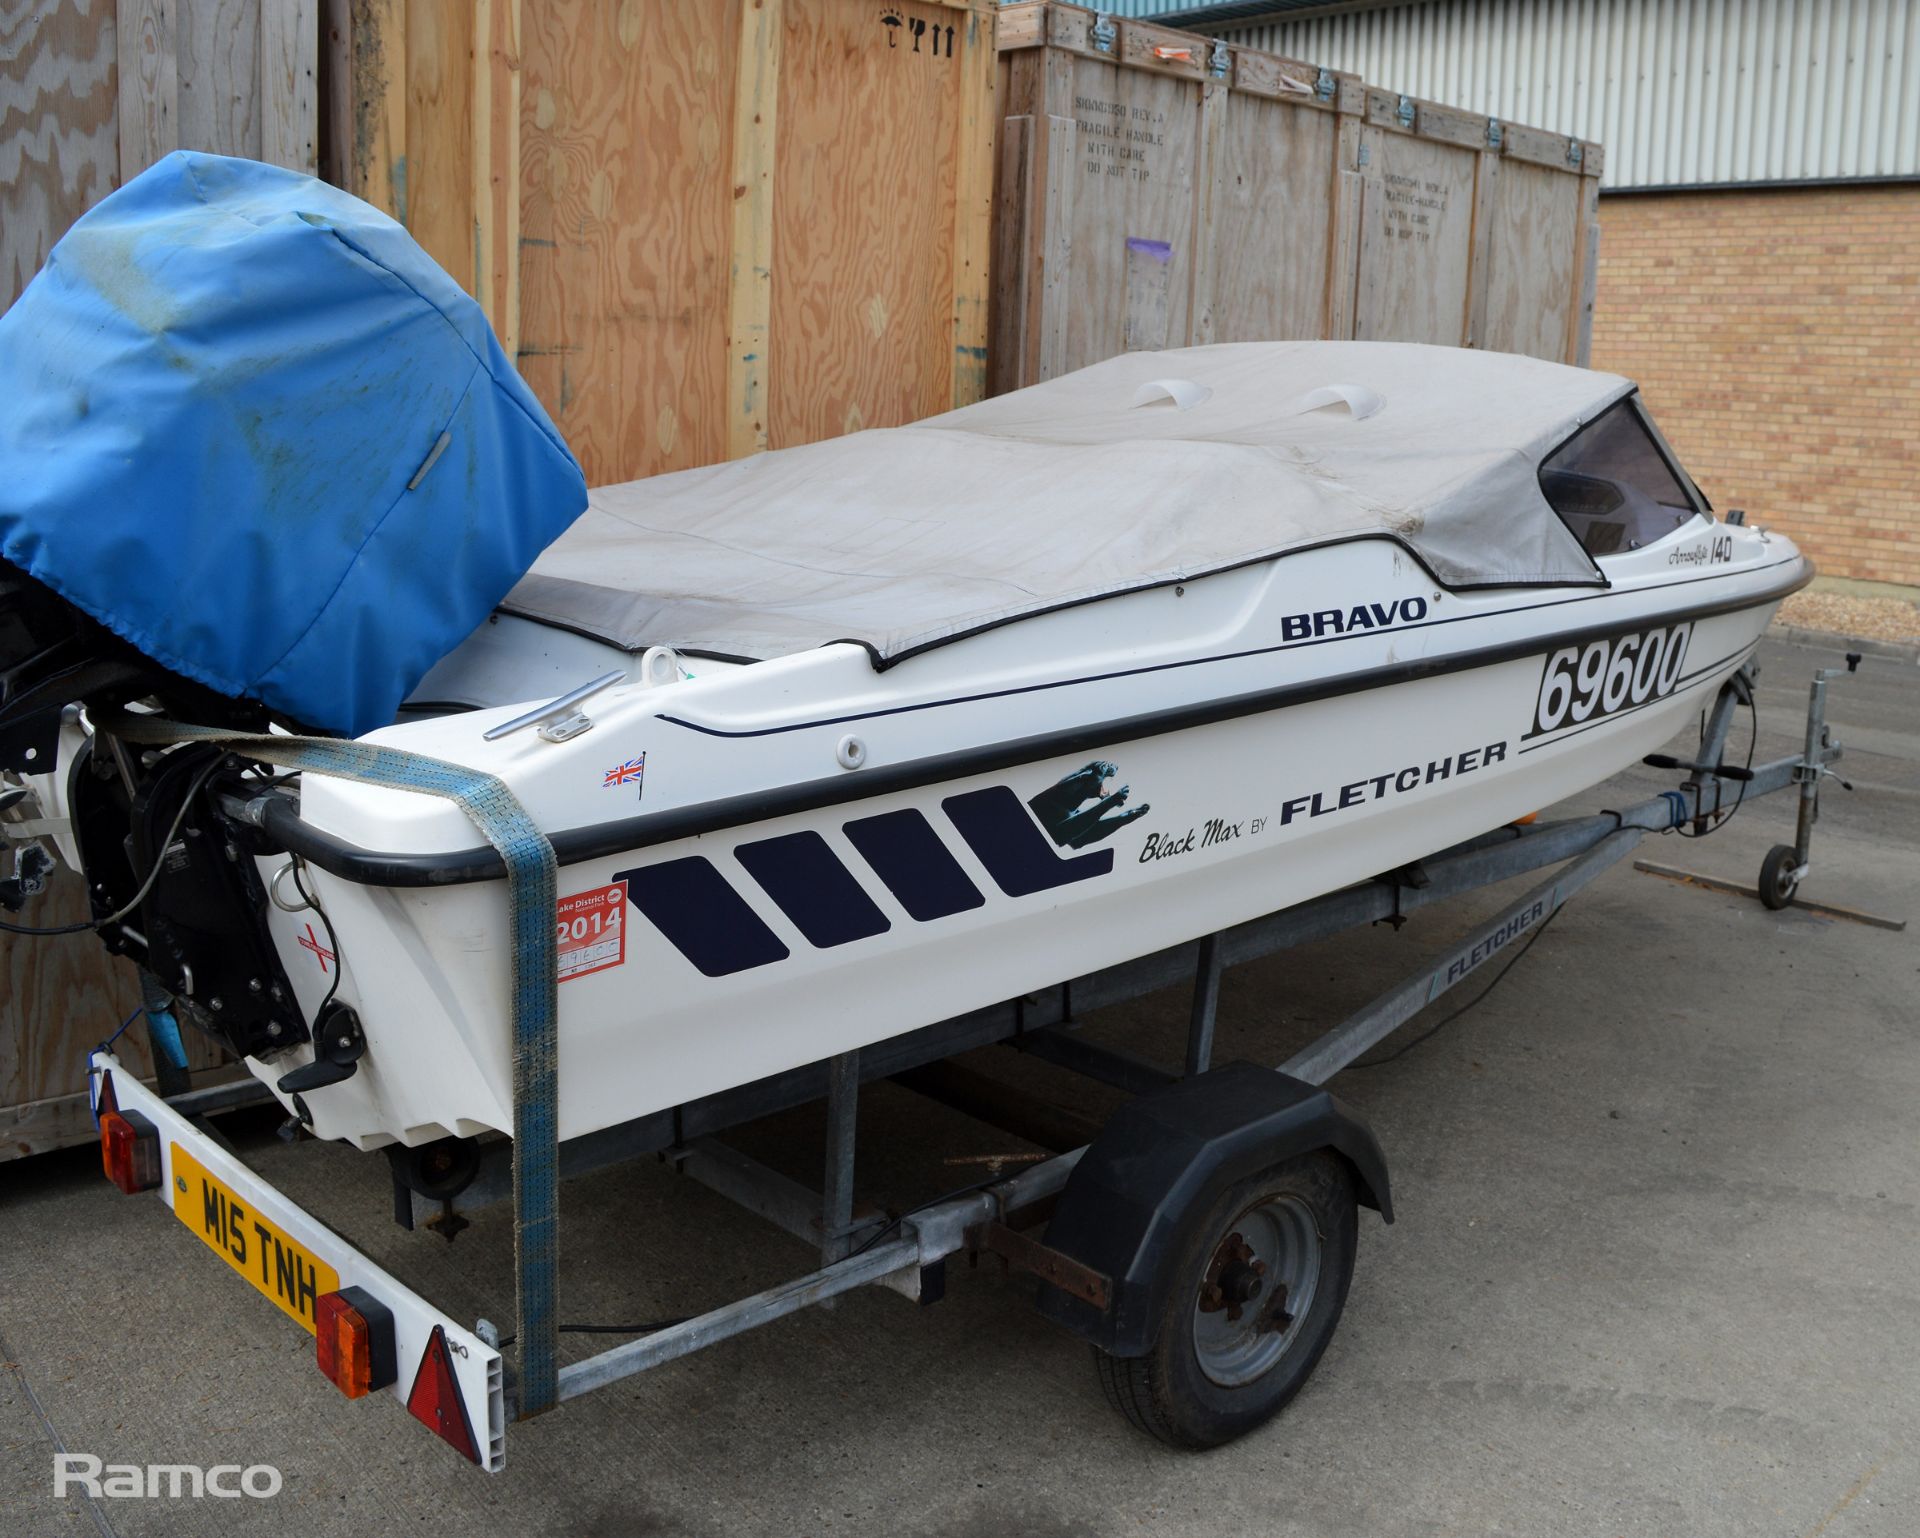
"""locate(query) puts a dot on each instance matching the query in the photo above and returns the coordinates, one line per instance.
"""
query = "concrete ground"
(1654, 1273)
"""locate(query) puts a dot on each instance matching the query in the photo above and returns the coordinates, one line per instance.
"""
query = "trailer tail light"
(129, 1150)
(436, 1401)
(353, 1341)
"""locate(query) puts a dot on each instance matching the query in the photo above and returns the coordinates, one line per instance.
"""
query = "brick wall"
(1775, 334)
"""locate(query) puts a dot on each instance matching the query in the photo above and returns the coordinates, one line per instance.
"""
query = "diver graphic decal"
(1078, 810)
(1075, 811)
(1003, 837)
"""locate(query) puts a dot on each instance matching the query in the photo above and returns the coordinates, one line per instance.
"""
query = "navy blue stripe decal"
(805, 877)
(1015, 852)
(708, 922)
(917, 867)
(1547, 644)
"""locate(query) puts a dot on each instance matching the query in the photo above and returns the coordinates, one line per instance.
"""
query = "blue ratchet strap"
(165, 1033)
(531, 873)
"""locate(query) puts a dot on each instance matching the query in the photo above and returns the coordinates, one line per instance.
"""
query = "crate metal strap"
(504, 823)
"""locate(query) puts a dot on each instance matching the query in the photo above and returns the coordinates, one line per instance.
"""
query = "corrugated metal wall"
(1681, 92)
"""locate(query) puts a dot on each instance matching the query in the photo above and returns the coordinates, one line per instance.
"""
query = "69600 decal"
(1584, 683)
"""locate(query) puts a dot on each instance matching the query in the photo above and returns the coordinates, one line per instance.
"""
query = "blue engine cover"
(252, 428)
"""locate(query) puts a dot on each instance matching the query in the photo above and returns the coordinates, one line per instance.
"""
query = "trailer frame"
(907, 1252)
(911, 1262)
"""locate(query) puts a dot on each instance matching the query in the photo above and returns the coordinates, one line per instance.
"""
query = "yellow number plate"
(282, 1268)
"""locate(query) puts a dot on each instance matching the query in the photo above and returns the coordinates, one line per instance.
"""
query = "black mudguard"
(1162, 1160)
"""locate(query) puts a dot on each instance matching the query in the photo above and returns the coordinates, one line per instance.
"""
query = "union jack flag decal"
(632, 773)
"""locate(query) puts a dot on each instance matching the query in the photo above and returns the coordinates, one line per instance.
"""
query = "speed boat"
(840, 740)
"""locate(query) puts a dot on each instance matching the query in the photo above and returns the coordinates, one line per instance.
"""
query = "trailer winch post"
(1813, 767)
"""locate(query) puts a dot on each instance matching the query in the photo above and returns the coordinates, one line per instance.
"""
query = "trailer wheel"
(1258, 1290)
(1778, 882)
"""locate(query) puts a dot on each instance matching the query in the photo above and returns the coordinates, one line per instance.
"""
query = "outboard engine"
(264, 464)
(165, 880)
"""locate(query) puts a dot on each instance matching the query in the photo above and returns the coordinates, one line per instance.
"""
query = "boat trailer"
(1226, 1175)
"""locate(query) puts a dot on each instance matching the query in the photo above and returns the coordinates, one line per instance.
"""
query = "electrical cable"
(87, 1072)
(146, 886)
(1480, 997)
(894, 1222)
(1753, 712)
(333, 941)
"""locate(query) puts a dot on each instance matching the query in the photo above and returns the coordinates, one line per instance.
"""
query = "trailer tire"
(1777, 880)
(1209, 1378)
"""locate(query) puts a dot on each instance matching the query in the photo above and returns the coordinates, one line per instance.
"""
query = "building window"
(1614, 487)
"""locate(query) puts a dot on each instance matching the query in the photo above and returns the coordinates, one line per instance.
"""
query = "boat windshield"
(1613, 485)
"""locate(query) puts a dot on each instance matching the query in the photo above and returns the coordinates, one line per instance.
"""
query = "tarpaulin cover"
(1147, 468)
(253, 429)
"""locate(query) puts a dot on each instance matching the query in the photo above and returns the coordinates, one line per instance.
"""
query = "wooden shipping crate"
(59, 997)
(1156, 189)
(700, 227)
(92, 92)
(1474, 232)
(95, 92)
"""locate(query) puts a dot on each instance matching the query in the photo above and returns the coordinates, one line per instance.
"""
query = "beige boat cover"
(907, 537)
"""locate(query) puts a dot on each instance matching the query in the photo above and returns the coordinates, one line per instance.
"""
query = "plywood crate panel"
(700, 227)
(626, 218)
(1159, 189)
(1474, 232)
(60, 997)
(92, 92)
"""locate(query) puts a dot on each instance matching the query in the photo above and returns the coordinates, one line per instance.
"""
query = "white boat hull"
(743, 952)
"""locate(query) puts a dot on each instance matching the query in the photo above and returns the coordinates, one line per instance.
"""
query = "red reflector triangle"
(435, 1397)
(108, 1100)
